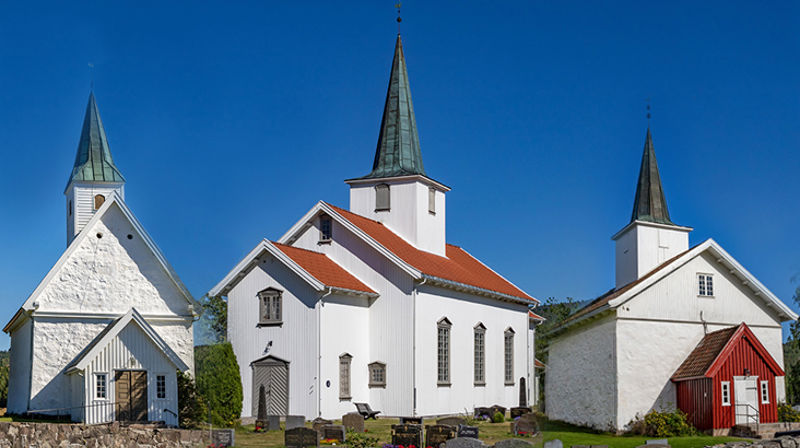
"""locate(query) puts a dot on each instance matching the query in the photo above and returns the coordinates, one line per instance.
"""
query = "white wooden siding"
(82, 197)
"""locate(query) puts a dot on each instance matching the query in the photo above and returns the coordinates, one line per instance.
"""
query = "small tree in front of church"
(791, 356)
(219, 383)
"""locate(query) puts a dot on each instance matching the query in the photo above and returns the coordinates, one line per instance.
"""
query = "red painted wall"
(695, 399)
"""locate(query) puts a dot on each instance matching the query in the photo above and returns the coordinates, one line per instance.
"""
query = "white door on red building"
(745, 392)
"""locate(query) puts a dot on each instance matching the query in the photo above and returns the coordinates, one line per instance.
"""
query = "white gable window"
(325, 229)
(382, 198)
(726, 393)
(443, 352)
(377, 374)
(479, 348)
(344, 376)
(161, 386)
(270, 306)
(705, 285)
(765, 392)
(432, 200)
(101, 386)
(509, 356)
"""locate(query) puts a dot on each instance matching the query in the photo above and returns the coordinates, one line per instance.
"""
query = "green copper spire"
(93, 163)
(398, 152)
(650, 204)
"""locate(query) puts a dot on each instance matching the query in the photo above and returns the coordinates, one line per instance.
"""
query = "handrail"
(64, 412)
(748, 407)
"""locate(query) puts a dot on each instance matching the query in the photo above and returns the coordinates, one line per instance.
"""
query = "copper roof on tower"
(93, 162)
(650, 204)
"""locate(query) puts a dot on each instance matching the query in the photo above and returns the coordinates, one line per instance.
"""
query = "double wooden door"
(131, 395)
(273, 375)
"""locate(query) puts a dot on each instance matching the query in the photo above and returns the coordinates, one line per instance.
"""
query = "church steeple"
(650, 204)
(94, 176)
(398, 152)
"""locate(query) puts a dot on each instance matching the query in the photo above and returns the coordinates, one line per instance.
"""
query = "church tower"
(397, 192)
(651, 237)
(94, 176)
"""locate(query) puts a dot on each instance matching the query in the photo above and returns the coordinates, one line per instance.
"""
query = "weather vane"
(91, 75)
(648, 112)
(399, 19)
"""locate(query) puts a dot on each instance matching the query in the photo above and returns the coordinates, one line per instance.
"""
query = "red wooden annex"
(728, 379)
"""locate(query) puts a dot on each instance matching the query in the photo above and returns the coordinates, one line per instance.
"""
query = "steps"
(763, 431)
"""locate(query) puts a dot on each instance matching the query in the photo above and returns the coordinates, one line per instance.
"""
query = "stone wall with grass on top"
(51, 435)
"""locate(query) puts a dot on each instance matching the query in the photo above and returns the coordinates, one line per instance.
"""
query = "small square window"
(161, 386)
(377, 374)
(705, 285)
(726, 393)
(101, 386)
(382, 198)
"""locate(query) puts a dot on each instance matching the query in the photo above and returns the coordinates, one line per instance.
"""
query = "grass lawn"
(494, 432)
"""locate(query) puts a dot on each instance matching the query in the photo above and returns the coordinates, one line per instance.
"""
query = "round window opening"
(130, 237)
(99, 235)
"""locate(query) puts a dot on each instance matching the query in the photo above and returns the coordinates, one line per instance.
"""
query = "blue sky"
(231, 119)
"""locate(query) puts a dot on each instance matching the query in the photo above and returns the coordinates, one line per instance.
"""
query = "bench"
(366, 411)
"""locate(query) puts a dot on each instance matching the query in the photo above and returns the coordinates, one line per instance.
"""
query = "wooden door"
(273, 374)
(745, 392)
(131, 395)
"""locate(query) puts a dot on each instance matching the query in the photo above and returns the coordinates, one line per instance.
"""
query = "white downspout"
(319, 351)
(414, 346)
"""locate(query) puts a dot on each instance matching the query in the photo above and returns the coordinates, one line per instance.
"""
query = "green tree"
(555, 313)
(215, 318)
(219, 382)
(791, 358)
(4, 368)
(192, 410)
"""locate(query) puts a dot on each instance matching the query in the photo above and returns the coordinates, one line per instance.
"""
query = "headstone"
(452, 421)
(552, 444)
(518, 412)
(483, 413)
(580, 446)
(437, 435)
(222, 437)
(319, 422)
(523, 393)
(353, 421)
(334, 433)
(467, 431)
(411, 420)
(295, 421)
(301, 438)
(657, 442)
(526, 425)
(497, 408)
(513, 443)
(653, 445)
(273, 423)
(464, 442)
(408, 434)
(261, 415)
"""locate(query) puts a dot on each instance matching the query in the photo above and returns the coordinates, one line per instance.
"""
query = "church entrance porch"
(131, 395)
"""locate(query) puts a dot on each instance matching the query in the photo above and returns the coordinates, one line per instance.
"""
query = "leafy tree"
(4, 367)
(555, 313)
(219, 382)
(215, 318)
(192, 410)
(791, 357)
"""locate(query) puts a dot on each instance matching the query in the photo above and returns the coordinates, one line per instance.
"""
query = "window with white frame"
(479, 347)
(344, 376)
(377, 374)
(432, 200)
(382, 198)
(705, 285)
(325, 229)
(765, 392)
(101, 386)
(161, 386)
(509, 356)
(726, 393)
(270, 306)
(443, 352)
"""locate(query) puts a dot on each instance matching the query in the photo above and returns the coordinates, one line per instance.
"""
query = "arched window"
(443, 351)
(509, 356)
(479, 348)
(99, 199)
(270, 306)
(344, 376)
(382, 200)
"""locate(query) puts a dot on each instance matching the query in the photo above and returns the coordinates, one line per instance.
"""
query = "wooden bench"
(366, 411)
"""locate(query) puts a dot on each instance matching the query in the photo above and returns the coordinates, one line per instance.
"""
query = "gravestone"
(301, 438)
(334, 433)
(553, 444)
(467, 431)
(657, 442)
(464, 442)
(526, 425)
(497, 408)
(518, 412)
(295, 421)
(408, 434)
(319, 422)
(261, 415)
(411, 420)
(523, 393)
(513, 443)
(222, 437)
(437, 435)
(354, 421)
(483, 413)
(273, 423)
(452, 421)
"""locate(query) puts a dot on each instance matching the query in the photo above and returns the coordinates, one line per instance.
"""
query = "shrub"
(498, 418)
(219, 383)
(787, 413)
(664, 424)
(357, 439)
(192, 411)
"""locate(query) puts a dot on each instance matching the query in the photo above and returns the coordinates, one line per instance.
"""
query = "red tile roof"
(538, 364)
(533, 315)
(458, 266)
(701, 358)
(323, 268)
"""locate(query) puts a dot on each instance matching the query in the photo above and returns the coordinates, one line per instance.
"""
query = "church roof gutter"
(476, 290)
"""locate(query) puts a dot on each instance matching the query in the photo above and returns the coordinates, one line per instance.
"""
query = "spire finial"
(399, 19)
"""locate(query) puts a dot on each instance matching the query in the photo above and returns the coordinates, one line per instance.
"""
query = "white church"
(370, 304)
(660, 338)
(102, 336)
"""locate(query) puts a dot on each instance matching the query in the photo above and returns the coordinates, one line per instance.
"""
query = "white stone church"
(618, 357)
(370, 304)
(102, 336)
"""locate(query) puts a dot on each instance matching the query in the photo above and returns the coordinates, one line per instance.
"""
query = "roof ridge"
(298, 248)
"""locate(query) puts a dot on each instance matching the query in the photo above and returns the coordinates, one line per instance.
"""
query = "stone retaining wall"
(52, 435)
(783, 442)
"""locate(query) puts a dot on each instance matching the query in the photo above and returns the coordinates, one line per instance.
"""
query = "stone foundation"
(783, 442)
(52, 435)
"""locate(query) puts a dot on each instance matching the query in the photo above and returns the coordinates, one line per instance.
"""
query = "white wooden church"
(674, 309)
(102, 336)
(370, 304)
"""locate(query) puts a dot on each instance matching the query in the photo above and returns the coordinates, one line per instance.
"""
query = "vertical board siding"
(695, 399)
